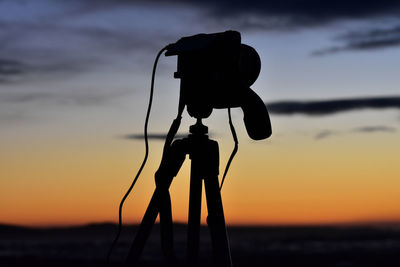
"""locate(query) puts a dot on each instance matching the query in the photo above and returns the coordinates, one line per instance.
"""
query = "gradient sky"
(74, 86)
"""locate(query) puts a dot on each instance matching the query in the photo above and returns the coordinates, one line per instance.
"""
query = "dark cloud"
(25, 97)
(324, 134)
(298, 8)
(365, 129)
(365, 40)
(250, 13)
(256, 14)
(10, 69)
(327, 107)
(40, 44)
(89, 44)
(17, 70)
(373, 129)
(39, 47)
(154, 136)
(64, 98)
(298, 13)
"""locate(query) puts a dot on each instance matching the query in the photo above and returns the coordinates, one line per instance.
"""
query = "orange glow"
(298, 182)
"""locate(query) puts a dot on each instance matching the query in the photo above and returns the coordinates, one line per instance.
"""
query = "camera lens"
(249, 65)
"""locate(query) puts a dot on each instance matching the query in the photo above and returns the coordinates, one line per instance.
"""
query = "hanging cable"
(144, 160)
(235, 149)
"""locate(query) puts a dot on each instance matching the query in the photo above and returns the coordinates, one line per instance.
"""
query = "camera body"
(216, 71)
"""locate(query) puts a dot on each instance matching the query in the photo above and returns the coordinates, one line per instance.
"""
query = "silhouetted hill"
(273, 246)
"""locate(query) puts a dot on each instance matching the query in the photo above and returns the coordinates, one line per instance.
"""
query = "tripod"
(204, 155)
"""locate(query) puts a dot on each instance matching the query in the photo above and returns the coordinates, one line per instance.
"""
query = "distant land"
(273, 246)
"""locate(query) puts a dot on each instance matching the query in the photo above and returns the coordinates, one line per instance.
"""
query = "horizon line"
(233, 225)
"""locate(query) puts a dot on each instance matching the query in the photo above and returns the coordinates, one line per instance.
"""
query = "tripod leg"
(194, 215)
(144, 229)
(169, 167)
(166, 230)
(216, 223)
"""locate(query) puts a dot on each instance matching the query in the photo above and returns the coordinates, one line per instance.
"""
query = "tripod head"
(216, 71)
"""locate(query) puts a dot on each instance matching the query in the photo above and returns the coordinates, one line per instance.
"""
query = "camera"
(216, 71)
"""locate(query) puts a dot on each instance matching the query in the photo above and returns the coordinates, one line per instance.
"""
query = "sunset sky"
(74, 86)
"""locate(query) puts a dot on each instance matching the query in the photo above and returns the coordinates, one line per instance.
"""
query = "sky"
(74, 87)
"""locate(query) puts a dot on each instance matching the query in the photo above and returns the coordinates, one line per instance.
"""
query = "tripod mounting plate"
(198, 128)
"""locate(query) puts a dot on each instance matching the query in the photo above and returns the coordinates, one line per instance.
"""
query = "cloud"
(10, 69)
(365, 129)
(295, 13)
(253, 14)
(304, 14)
(324, 134)
(39, 39)
(365, 40)
(47, 40)
(42, 50)
(12, 116)
(328, 107)
(154, 136)
(374, 129)
(85, 98)
(14, 70)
